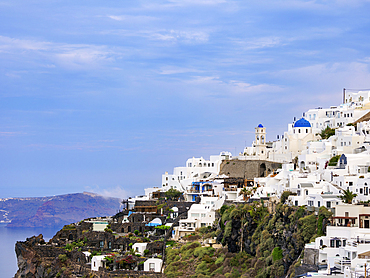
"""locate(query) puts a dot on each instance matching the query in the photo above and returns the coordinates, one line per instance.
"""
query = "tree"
(172, 194)
(327, 132)
(334, 160)
(246, 193)
(285, 195)
(348, 196)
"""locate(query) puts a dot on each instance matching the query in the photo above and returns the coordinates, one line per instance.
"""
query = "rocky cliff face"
(274, 241)
(38, 259)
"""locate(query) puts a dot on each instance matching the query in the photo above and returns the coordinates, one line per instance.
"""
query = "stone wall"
(248, 169)
(311, 256)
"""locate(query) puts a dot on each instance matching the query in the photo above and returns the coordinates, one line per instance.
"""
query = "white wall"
(157, 264)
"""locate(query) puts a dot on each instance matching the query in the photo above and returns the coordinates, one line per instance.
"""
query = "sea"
(8, 238)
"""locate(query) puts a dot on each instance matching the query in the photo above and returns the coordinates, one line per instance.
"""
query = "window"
(332, 243)
(109, 245)
(195, 215)
(306, 130)
(203, 215)
(361, 190)
(328, 204)
(101, 244)
(318, 203)
(151, 266)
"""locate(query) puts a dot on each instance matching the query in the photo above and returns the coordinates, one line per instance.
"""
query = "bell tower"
(260, 141)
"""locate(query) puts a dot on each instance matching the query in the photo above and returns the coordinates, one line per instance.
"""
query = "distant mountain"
(55, 211)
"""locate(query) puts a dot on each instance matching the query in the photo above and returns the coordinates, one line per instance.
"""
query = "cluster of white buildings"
(305, 171)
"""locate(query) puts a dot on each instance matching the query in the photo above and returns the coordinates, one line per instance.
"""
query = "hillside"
(256, 243)
(55, 211)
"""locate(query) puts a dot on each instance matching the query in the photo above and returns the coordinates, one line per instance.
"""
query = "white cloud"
(116, 17)
(82, 56)
(9, 133)
(7, 43)
(180, 36)
(230, 87)
(259, 42)
(117, 192)
(132, 18)
(328, 75)
(72, 56)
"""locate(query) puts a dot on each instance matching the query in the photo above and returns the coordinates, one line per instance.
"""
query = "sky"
(105, 96)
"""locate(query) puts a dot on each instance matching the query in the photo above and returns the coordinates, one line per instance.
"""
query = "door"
(366, 224)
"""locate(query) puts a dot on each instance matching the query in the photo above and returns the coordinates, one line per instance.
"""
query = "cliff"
(40, 259)
(256, 243)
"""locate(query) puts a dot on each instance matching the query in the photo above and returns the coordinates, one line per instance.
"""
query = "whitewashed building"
(153, 265)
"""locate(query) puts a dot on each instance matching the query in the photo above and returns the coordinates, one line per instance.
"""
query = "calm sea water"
(8, 238)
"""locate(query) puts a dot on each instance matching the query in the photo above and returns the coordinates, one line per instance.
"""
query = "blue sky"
(105, 96)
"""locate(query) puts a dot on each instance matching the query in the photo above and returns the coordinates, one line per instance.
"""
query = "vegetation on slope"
(256, 243)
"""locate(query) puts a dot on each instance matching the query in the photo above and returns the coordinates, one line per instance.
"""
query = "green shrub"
(202, 251)
(62, 257)
(307, 227)
(163, 227)
(277, 254)
(68, 247)
(202, 268)
(69, 227)
(171, 254)
(220, 259)
(218, 271)
(334, 160)
(327, 132)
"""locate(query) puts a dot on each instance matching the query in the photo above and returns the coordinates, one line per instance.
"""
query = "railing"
(342, 263)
